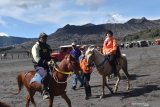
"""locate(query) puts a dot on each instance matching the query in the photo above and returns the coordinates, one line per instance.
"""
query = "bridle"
(55, 66)
(102, 63)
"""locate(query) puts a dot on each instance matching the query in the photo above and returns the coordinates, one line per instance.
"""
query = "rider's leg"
(45, 80)
(87, 86)
(79, 77)
(113, 64)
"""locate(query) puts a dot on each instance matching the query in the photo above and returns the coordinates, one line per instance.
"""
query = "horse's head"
(89, 55)
(72, 64)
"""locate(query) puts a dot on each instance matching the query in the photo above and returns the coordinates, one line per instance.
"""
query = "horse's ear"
(68, 57)
(91, 47)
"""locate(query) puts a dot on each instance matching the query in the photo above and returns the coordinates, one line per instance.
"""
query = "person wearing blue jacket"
(75, 52)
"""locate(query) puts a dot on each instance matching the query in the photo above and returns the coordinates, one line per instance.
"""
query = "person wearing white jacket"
(41, 60)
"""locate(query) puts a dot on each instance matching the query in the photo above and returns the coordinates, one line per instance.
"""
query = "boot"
(88, 91)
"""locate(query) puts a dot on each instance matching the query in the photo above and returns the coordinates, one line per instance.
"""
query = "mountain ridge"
(94, 34)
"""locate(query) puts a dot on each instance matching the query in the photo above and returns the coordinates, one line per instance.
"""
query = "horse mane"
(93, 48)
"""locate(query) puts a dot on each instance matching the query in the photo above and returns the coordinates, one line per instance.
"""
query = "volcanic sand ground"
(143, 66)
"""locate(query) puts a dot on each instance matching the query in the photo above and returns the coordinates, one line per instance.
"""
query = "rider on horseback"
(42, 59)
(109, 48)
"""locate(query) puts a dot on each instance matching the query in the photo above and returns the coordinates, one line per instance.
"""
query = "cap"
(42, 35)
(73, 44)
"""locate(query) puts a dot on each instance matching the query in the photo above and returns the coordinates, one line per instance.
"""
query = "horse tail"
(20, 83)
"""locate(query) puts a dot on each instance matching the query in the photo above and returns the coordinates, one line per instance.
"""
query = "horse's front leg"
(65, 97)
(51, 101)
(103, 84)
(28, 101)
(30, 98)
(117, 83)
(106, 84)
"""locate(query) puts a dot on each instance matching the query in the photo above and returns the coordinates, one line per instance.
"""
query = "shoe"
(74, 87)
(45, 95)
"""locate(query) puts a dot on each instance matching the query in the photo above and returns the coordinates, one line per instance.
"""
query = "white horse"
(104, 68)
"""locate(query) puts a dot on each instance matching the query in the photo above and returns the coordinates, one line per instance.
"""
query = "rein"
(101, 64)
(55, 78)
(62, 72)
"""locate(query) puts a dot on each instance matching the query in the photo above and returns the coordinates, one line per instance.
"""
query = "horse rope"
(67, 73)
(63, 72)
(59, 82)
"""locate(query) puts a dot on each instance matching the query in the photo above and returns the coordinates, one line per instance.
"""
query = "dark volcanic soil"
(143, 66)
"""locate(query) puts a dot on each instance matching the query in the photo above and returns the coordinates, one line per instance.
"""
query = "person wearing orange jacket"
(109, 48)
(86, 73)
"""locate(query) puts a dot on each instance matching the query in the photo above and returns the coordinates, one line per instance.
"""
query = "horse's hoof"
(86, 98)
(102, 96)
(115, 90)
(128, 88)
(112, 92)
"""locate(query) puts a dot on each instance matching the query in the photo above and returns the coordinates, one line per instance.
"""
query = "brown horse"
(58, 82)
(105, 69)
(2, 104)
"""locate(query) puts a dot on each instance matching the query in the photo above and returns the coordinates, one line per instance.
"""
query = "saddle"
(37, 78)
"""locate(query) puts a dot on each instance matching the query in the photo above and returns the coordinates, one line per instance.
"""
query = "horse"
(101, 62)
(2, 104)
(57, 84)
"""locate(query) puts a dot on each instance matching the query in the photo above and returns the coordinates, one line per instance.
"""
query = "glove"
(49, 63)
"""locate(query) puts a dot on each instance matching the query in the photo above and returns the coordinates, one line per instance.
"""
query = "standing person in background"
(86, 73)
(109, 48)
(41, 60)
(75, 52)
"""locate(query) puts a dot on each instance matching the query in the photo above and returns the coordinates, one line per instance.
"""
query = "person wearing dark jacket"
(75, 52)
(41, 60)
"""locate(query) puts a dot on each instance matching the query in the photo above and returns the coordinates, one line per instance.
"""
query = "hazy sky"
(27, 18)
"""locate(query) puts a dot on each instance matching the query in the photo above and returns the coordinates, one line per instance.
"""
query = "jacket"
(110, 46)
(41, 54)
(83, 65)
(75, 53)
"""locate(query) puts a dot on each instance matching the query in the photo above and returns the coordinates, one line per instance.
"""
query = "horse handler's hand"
(50, 63)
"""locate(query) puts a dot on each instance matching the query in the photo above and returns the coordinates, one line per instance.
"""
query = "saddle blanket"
(37, 78)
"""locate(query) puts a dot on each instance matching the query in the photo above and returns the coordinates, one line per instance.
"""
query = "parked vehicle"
(142, 43)
(157, 41)
(61, 52)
